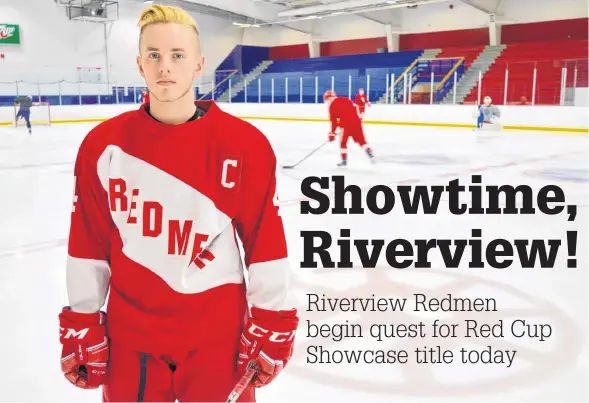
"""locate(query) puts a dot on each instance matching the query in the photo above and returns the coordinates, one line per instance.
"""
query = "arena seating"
(520, 59)
(286, 78)
(469, 53)
(283, 77)
(582, 74)
(290, 72)
(375, 60)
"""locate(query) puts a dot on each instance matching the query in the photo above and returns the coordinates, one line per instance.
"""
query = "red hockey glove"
(85, 348)
(268, 339)
(331, 137)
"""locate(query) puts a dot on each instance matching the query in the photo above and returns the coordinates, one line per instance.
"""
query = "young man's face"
(169, 60)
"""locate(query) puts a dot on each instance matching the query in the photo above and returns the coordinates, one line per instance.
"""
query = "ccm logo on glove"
(276, 337)
(80, 334)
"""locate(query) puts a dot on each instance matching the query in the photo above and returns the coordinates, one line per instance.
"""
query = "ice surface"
(36, 189)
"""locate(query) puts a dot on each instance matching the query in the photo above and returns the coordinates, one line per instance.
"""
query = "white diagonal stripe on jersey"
(180, 202)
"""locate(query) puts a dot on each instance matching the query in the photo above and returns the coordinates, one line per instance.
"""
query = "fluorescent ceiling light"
(243, 25)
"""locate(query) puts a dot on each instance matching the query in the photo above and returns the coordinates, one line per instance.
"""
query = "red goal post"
(40, 115)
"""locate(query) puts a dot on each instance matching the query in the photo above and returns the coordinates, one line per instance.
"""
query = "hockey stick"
(250, 373)
(306, 156)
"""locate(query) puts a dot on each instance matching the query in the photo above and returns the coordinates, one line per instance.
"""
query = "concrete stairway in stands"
(470, 79)
(427, 54)
(237, 87)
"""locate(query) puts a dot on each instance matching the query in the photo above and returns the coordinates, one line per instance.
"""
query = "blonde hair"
(158, 14)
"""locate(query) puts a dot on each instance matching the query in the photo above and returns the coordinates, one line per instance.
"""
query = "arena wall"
(562, 119)
(52, 46)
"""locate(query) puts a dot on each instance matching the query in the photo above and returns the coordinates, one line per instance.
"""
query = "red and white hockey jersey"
(156, 215)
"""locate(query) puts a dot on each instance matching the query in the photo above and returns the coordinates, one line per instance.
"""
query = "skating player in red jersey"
(144, 96)
(343, 114)
(162, 196)
(361, 102)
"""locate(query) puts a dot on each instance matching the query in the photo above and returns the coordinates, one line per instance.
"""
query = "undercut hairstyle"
(162, 14)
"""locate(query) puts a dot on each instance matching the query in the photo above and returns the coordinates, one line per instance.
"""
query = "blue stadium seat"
(315, 76)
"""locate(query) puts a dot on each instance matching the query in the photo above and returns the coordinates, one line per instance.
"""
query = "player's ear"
(199, 68)
(140, 67)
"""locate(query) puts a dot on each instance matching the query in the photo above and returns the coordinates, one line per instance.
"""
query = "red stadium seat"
(520, 60)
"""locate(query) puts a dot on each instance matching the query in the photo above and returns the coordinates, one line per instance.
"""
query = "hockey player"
(343, 114)
(488, 114)
(24, 109)
(162, 195)
(361, 102)
(144, 97)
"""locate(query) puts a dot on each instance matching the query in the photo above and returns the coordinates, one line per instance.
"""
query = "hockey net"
(40, 115)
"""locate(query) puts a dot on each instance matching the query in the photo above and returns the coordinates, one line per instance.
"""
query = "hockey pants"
(27, 117)
(481, 120)
(355, 133)
(206, 375)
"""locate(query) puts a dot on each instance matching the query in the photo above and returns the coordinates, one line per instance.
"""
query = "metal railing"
(556, 82)
(81, 93)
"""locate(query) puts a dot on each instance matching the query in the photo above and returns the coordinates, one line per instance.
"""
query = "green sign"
(9, 34)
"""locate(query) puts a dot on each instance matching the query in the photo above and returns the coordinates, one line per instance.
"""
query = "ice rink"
(36, 187)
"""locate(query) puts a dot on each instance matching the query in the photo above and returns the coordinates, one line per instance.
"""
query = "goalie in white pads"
(488, 116)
